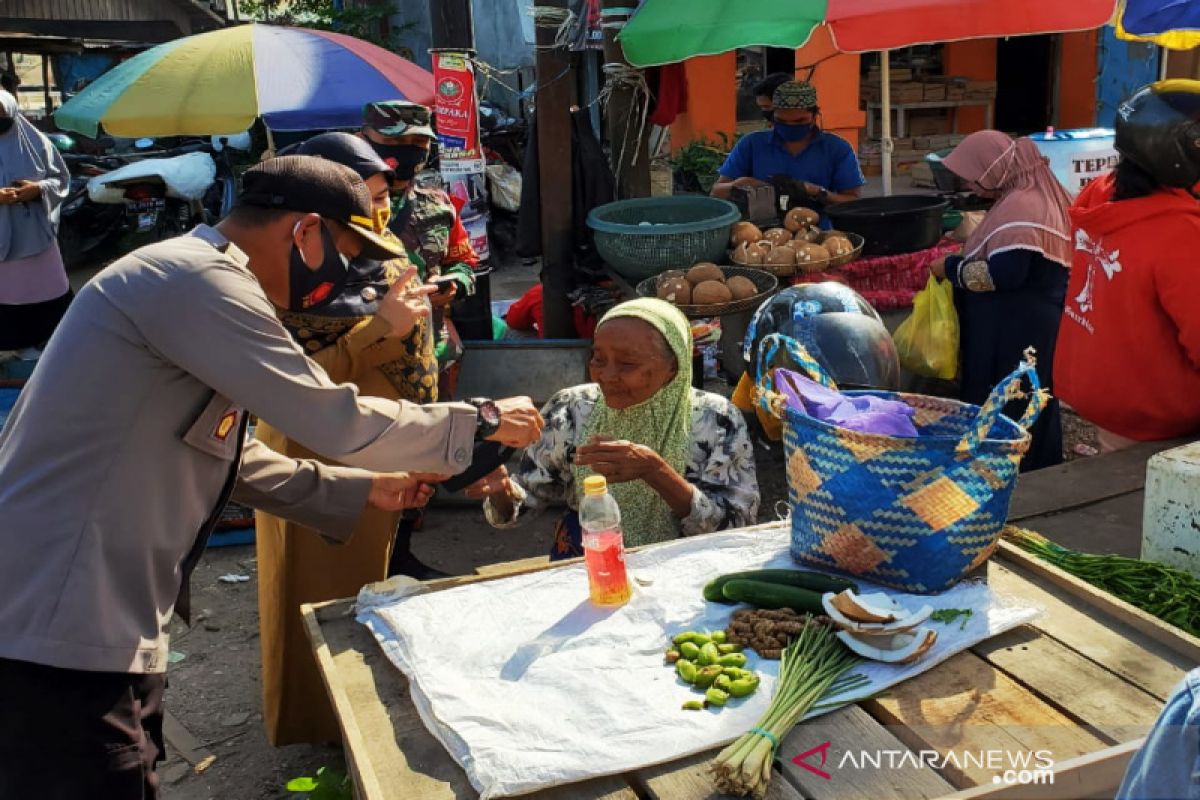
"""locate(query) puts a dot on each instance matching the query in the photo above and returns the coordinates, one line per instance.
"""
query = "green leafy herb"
(948, 615)
(328, 785)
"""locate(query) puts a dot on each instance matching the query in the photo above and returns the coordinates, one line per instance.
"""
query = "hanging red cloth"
(669, 85)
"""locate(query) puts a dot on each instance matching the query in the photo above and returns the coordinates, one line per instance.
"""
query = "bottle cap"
(595, 484)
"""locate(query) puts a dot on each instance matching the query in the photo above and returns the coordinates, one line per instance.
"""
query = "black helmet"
(1158, 129)
(838, 328)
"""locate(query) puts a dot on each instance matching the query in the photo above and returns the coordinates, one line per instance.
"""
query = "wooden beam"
(554, 98)
(157, 31)
(626, 115)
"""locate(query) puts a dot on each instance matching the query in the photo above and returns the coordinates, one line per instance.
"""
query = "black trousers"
(68, 734)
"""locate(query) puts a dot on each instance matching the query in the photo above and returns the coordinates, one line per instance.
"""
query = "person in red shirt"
(526, 315)
(1128, 355)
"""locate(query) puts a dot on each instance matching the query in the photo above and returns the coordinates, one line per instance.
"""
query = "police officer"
(127, 441)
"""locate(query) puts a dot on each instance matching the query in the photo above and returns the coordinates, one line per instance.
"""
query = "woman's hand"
(395, 491)
(26, 191)
(938, 268)
(496, 483)
(618, 460)
(403, 306)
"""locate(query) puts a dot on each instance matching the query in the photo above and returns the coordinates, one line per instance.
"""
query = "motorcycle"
(86, 227)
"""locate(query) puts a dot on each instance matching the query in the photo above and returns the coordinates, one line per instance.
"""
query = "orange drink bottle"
(603, 544)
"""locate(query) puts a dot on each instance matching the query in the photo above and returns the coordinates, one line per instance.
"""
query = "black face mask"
(769, 116)
(6, 124)
(308, 288)
(404, 159)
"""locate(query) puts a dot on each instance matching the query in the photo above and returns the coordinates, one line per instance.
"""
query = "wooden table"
(1085, 680)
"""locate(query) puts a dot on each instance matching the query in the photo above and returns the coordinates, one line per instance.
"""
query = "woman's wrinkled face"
(630, 361)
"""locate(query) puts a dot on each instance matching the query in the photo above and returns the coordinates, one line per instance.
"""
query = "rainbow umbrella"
(1174, 24)
(219, 82)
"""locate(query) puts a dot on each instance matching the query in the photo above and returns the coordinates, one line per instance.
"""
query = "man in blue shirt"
(795, 155)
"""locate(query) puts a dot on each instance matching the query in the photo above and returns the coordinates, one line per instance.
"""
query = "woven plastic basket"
(642, 237)
(764, 282)
(913, 514)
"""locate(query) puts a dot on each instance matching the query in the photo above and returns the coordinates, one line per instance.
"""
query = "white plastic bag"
(504, 187)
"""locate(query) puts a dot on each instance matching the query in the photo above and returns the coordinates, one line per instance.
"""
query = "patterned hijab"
(1031, 212)
(663, 423)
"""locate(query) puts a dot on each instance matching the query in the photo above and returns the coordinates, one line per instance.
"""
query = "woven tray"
(788, 270)
(764, 281)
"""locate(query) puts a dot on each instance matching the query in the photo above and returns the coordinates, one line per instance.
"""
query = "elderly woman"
(368, 326)
(1011, 280)
(678, 460)
(34, 292)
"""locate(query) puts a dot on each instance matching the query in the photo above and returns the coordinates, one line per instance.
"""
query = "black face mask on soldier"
(404, 159)
(309, 287)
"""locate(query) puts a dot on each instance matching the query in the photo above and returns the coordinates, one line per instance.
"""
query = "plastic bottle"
(603, 544)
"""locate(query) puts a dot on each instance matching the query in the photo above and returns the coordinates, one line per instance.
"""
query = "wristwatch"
(488, 417)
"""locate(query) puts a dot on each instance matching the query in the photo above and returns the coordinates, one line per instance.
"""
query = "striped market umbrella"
(219, 82)
(1173, 24)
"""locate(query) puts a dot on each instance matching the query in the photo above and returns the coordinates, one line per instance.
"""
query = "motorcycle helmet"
(838, 328)
(1158, 129)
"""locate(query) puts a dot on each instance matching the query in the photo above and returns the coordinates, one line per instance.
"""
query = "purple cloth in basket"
(865, 413)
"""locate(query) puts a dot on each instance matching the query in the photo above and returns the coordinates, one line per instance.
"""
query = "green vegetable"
(709, 655)
(723, 682)
(948, 615)
(732, 660)
(726, 649)
(689, 650)
(718, 638)
(686, 670)
(694, 705)
(743, 687)
(813, 666)
(773, 595)
(716, 697)
(673, 656)
(691, 636)
(706, 677)
(801, 579)
(735, 673)
(1170, 594)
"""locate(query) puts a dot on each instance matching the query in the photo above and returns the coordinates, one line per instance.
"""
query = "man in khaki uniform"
(127, 441)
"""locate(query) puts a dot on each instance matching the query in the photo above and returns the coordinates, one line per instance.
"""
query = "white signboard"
(1085, 167)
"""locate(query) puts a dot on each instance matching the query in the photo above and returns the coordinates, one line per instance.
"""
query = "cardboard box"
(900, 92)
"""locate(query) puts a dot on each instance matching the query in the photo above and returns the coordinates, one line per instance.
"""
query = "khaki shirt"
(125, 439)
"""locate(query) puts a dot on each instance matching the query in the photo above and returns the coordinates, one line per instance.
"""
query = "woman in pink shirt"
(34, 292)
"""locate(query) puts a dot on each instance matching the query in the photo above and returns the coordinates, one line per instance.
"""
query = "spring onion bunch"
(813, 666)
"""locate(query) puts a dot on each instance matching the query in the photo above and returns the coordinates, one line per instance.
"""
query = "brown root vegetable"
(782, 256)
(744, 233)
(778, 236)
(741, 287)
(675, 290)
(766, 631)
(800, 218)
(838, 246)
(748, 254)
(711, 293)
(807, 235)
(703, 272)
(812, 257)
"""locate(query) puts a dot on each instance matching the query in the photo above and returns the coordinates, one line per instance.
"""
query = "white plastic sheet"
(528, 685)
(187, 177)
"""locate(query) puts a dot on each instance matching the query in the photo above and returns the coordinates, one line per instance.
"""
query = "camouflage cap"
(795, 94)
(398, 118)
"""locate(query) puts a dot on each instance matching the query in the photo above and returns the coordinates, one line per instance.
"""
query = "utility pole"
(627, 124)
(553, 110)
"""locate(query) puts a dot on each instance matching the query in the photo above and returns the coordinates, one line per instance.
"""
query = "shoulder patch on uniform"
(225, 426)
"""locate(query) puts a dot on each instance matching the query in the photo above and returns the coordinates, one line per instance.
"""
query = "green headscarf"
(663, 423)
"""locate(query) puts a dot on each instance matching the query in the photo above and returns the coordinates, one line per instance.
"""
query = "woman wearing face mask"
(678, 460)
(34, 291)
(366, 323)
(795, 155)
(1011, 280)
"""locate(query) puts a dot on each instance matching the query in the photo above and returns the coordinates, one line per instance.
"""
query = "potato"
(782, 256)
(710, 293)
(747, 253)
(809, 234)
(705, 271)
(741, 287)
(838, 245)
(744, 232)
(778, 236)
(800, 218)
(812, 257)
(675, 290)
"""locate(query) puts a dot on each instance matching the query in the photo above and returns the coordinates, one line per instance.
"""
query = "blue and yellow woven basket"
(912, 514)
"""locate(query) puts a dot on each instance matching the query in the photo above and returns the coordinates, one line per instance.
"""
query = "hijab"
(662, 423)
(27, 229)
(1031, 210)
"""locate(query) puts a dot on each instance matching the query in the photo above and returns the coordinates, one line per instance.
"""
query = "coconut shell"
(781, 257)
(778, 236)
(808, 235)
(744, 232)
(705, 271)
(711, 293)
(675, 290)
(747, 253)
(672, 273)
(800, 218)
(838, 245)
(811, 254)
(741, 287)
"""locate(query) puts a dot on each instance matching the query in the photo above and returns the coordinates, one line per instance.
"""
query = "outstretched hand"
(396, 491)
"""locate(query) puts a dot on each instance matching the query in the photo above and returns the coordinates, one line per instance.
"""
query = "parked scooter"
(85, 227)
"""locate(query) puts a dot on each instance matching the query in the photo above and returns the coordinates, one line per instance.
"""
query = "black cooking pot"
(890, 225)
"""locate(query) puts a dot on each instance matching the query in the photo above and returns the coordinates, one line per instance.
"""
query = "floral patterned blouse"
(720, 464)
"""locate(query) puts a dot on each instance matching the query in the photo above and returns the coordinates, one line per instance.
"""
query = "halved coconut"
(886, 616)
(743, 233)
(891, 648)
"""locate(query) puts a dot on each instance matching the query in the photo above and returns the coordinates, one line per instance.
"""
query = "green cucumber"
(814, 581)
(773, 595)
